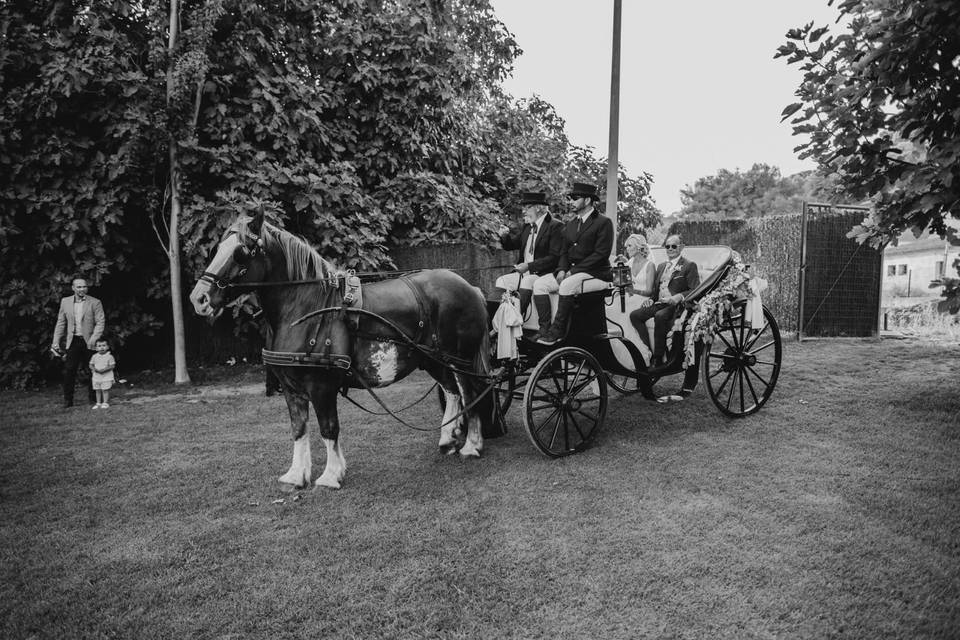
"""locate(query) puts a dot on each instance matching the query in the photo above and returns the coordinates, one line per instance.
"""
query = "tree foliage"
(880, 105)
(637, 212)
(759, 191)
(361, 123)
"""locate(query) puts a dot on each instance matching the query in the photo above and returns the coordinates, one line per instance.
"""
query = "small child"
(102, 365)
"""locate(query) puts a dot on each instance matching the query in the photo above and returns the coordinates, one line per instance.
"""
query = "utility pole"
(613, 187)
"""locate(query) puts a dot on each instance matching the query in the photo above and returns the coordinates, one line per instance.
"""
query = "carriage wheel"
(622, 383)
(742, 366)
(566, 401)
(628, 385)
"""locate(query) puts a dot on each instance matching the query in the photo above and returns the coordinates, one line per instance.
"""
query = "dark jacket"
(682, 280)
(588, 250)
(547, 248)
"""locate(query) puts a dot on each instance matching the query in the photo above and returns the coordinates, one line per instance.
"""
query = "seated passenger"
(674, 277)
(643, 271)
(584, 264)
(539, 242)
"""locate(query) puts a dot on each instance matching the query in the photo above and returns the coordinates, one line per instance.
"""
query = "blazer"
(546, 249)
(588, 250)
(91, 325)
(685, 278)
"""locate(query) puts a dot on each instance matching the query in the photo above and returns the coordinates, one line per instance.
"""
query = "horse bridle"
(241, 253)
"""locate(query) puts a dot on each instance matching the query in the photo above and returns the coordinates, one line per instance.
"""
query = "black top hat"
(583, 190)
(533, 197)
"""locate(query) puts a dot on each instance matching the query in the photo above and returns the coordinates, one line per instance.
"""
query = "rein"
(215, 280)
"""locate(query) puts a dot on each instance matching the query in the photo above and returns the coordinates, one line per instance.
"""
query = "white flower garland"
(712, 309)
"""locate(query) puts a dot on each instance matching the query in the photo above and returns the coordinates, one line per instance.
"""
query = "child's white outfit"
(99, 361)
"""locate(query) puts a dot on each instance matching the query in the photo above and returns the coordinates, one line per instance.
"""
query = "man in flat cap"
(584, 264)
(539, 243)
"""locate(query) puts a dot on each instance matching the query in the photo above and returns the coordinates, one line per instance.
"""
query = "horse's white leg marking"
(300, 468)
(336, 467)
(474, 443)
(447, 431)
(383, 358)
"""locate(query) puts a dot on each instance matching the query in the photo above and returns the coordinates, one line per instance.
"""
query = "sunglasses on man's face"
(671, 246)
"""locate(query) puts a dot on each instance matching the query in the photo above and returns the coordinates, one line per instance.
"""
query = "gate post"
(802, 278)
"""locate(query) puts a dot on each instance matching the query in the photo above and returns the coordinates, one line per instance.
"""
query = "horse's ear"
(256, 223)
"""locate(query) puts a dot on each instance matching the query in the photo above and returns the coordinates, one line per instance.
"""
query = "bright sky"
(699, 88)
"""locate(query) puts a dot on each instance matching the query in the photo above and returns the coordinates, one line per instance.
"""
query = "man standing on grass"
(80, 323)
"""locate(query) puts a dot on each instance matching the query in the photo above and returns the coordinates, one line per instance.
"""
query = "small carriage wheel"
(566, 401)
(742, 365)
(628, 385)
(623, 383)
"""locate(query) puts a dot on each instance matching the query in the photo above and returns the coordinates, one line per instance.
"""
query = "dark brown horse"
(431, 319)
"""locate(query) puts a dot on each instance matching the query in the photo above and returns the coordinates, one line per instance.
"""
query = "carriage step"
(610, 334)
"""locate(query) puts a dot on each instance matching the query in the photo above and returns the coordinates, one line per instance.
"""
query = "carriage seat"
(710, 261)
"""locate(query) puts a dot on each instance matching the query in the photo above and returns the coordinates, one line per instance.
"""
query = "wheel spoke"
(541, 407)
(566, 431)
(725, 381)
(730, 392)
(758, 349)
(548, 394)
(766, 383)
(556, 428)
(575, 391)
(756, 400)
(756, 337)
(714, 374)
(547, 420)
(729, 346)
(577, 427)
(586, 415)
(740, 375)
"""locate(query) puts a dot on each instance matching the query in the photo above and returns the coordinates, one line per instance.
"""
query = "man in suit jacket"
(585, 263)
(539, 243)
(674, 277)
(80, 323)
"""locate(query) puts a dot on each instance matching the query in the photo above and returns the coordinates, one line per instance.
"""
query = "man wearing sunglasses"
(674, 277)
(584, 264)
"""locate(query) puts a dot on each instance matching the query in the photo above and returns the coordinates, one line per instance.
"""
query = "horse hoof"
(329, 483)
(469, 453)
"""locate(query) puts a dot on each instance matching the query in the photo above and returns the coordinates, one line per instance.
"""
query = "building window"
(891, 269)
(939, 270)
(902, 269)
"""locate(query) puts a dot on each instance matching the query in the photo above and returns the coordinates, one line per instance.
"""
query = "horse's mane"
(303, 261)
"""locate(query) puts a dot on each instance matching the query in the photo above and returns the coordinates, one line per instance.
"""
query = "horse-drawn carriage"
(326, 340)
(564, 388)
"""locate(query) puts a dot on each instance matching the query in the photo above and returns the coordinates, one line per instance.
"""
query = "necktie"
(533, 238)
(579, 224)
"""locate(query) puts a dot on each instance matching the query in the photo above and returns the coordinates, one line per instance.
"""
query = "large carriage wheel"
(742, 366)
(566, 401)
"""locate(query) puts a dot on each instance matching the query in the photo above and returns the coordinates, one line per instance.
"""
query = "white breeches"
(516, 280)
(571, 285)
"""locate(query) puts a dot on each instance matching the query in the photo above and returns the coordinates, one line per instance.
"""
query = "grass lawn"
(832, 513)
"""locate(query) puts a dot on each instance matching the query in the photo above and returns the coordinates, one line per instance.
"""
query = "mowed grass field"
(833, 513)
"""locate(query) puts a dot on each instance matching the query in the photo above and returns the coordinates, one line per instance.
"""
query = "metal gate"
(840, 279)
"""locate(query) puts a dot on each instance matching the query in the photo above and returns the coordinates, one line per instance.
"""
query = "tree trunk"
(173, 249)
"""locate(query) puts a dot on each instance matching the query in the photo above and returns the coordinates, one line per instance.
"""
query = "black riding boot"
(542, 304)
(558, 330)
(525, 296)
